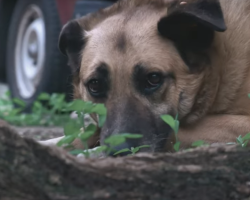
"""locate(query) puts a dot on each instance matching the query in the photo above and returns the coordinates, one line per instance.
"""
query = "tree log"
(30, 171)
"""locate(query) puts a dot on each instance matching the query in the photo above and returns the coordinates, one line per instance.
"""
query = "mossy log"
(30, 171)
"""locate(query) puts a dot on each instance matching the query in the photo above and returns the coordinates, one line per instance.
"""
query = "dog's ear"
(192, 23)
(71, 42)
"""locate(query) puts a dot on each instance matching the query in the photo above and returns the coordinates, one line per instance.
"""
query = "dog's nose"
(119, 148)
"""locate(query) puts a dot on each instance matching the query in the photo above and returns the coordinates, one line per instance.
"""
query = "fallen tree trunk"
(29, 171)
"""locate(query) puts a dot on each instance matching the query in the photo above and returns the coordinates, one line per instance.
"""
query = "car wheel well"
(6, 10)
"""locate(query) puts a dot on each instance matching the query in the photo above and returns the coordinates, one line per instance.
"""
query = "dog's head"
(143, 59)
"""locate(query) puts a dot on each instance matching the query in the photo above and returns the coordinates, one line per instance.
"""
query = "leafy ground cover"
(53, 110)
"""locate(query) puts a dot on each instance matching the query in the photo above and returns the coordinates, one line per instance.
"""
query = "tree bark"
(30, 171)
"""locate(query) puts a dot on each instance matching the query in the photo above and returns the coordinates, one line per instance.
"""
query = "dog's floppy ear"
(71, 42)
(192, 22)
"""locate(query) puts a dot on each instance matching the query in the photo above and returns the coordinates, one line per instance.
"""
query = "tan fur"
(217, 108)
(229, 113)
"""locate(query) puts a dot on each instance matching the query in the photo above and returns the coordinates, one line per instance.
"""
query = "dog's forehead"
(138, 23)
(125, 39)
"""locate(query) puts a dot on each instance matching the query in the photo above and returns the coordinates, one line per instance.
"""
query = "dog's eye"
(154, 80)
(95, 87)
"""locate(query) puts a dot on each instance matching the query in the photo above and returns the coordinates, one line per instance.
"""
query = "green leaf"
(176, 117)
(115, 140)
(144, 146)
(80, 115)
(177, 123)
(88, 107)
(43, 96)
(71, 128)
(198, 143)
(19, 102)
(77, 105)
(135, 150)
(56, 98)
(121, 151)
(239, 140)
(248, 95)
(99, 109)
(76, 152)
(170, 121)
(246, 137)
(57, 101)
(102, 119)
(245, 143)
(131, 136)
(177, 146)
(90, 130)
(100, 149)
(37, 107)
(66, 140)
(15, 111)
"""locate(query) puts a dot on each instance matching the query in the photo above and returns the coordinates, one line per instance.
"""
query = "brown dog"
(147, 58)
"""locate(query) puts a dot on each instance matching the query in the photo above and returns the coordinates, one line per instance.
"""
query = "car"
(30, 62)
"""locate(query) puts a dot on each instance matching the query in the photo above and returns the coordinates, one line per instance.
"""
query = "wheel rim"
(30, 51)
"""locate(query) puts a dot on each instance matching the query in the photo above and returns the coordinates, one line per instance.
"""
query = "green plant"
(132, 150)
(53, 110)
(174, 124)
(112, 142)
(118, 139)
(243, 141)
(56, 112)
(74, 129)
(47, 110)
(77, 129)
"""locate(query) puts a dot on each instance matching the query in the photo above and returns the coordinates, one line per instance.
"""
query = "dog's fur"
(201, 48)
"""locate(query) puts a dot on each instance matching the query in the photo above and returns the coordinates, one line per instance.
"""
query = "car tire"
(34, 64)
(2, 46)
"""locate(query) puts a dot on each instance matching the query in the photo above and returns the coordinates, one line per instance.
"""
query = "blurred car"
(30, 62)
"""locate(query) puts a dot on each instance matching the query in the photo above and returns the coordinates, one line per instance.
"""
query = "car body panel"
(65, 9)
(83, 7)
